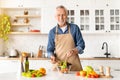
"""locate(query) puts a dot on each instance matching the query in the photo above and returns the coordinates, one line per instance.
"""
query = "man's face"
(61, 16)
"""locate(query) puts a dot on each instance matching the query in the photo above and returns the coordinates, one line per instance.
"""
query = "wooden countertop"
(92, 58)
(89, 58)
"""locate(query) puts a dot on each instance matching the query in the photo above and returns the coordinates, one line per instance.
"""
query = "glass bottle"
(26, 65)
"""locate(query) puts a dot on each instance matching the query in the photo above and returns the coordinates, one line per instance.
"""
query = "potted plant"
(5, 26)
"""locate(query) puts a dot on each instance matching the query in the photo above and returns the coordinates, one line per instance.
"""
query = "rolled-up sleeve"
(80, 44)
(51, 44)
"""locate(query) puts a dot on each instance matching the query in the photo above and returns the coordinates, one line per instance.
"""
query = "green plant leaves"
(5, 26)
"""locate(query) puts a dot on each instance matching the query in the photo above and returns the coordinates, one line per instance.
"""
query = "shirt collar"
(59, 29)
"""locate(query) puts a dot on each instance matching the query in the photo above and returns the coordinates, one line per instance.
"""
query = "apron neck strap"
(68, 26)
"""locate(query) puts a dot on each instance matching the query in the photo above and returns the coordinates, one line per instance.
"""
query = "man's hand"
(53, 59)
(71, 52)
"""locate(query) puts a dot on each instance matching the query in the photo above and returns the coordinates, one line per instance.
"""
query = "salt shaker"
(101, 70)
(107, 72)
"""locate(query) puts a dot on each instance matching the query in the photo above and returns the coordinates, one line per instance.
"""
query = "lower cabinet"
(114, 64)
(14, 65)
(36, 64)
(8, 66)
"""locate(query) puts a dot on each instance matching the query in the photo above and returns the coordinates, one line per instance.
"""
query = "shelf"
(27, 16)
(25, 33)
(21, 24)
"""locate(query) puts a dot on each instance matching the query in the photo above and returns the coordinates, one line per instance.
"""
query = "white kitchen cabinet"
(10, 3)
(97, 16)
(107, 16)
(8, 66)
(105, 63)
(37, 64)
(14, 65)
(21, 3)
(33, 4)
(92, 16)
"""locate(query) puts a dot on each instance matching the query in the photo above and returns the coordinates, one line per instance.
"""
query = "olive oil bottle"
(26, 65)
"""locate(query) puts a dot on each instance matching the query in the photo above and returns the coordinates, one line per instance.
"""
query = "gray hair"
(63, 7)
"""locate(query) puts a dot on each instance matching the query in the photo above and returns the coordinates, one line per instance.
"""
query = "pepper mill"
(107, 72)
(21, 59)
(101, 70)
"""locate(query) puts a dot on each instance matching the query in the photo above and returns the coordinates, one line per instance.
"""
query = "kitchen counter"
(54, 75)
(89, 58)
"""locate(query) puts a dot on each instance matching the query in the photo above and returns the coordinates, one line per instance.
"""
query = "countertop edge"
(89, 58)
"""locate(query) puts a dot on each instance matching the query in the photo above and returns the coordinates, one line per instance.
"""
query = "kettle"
(13, 53)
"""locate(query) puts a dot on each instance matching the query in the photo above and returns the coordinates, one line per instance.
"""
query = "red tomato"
(77, 73)
(83, 73)
(33, 75)
(92, 76)
(97, 76)
(89, 76)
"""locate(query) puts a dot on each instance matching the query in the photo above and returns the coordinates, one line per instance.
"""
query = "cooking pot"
(13, 53)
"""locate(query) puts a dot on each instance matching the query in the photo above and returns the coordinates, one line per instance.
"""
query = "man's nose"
(61, 17)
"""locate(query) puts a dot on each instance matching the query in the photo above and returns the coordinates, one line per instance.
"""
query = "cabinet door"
(33, 4)
(114, 12)
(36, 64)
(84, 15)
(107, 16)
(101, 15)
(55, 3)
(8, 66)
(21, 3)
(105, 63)
(10, 3)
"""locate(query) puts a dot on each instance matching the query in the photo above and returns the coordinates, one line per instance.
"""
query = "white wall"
(94, 45)
(30, 43)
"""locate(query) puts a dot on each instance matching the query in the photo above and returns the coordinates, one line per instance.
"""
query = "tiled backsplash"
(30, 43)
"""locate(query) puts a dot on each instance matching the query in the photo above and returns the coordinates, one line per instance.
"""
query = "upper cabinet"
(92, 16)
(114, 12)
(107, 16)
(21, 3)
(10, 3)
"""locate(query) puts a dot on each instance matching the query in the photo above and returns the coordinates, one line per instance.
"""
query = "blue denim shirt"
(76, 34)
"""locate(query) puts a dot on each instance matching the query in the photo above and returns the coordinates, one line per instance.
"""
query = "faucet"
(106, 53)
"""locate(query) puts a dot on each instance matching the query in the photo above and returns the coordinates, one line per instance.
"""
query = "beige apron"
(63, 44)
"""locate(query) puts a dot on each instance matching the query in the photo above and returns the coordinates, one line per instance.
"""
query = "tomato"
(83, 73)
(97, 76)
(77, 73)
(89, 76)
(33, 75)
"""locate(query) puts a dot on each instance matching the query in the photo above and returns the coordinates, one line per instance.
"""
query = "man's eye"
(58, 15)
